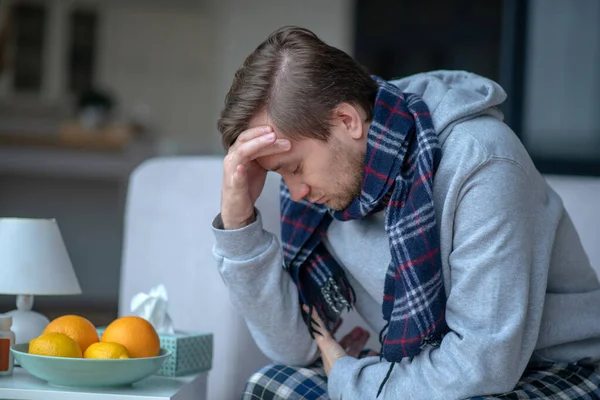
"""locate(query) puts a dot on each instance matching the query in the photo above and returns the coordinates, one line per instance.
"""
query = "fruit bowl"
(88, 372)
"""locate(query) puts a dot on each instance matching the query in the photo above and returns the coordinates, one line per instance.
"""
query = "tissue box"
(191, 352)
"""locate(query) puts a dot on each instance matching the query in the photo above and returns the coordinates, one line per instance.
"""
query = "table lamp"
(33, 261)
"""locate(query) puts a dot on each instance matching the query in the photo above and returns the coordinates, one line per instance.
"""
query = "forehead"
(271, 161)
(300, 150)
(260, 119)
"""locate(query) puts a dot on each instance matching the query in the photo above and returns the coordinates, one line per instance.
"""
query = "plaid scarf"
(402, 156)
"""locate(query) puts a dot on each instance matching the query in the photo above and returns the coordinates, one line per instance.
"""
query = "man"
(414, 203)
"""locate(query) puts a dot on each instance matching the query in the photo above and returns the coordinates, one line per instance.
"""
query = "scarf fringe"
(329, 301)
(387, 376)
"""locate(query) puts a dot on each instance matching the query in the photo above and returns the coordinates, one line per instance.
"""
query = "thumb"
(239, 180)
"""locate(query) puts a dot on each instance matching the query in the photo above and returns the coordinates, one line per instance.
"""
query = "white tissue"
(153, 307)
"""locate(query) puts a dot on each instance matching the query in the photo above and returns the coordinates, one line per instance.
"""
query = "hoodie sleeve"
(493, 309)
(250, 263)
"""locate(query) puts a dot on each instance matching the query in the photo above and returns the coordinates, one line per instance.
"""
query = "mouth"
(320, 200)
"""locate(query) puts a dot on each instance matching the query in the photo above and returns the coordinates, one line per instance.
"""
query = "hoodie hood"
(453, 96)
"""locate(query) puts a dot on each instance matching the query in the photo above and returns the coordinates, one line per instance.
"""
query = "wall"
(242, 25)
(172, 62)
(89, 217)
(178, 62)
(159, 61)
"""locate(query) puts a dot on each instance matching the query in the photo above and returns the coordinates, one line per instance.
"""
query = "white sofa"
(171, 203)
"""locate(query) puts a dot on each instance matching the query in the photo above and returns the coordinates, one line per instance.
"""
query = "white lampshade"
(34, 259)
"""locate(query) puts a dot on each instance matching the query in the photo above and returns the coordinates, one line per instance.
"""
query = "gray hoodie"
(518, 282)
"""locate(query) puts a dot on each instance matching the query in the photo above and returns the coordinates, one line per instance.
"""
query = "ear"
(348, 117)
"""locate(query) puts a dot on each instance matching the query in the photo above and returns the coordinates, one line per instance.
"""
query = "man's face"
(329, 173)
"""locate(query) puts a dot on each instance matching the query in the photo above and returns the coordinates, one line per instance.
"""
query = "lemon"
(54, 344)
(106, 350)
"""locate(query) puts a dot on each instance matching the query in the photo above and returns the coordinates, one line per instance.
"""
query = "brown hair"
(298, 80)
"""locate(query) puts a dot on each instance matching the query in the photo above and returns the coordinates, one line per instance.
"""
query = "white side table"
(24, 386)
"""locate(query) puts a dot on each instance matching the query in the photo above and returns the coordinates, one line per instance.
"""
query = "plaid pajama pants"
(553, 381)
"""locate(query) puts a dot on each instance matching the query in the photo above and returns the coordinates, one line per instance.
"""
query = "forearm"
(250, 262)
(463, 367)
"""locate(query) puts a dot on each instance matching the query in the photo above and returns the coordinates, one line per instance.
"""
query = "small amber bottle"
(7, 339)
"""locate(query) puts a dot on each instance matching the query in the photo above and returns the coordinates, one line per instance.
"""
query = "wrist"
(237, 223)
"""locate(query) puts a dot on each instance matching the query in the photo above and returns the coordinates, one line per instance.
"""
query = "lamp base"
(27, 325)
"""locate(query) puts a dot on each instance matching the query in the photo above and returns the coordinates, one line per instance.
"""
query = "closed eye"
(298, 169)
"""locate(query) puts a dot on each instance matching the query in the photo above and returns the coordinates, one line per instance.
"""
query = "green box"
(191, 352)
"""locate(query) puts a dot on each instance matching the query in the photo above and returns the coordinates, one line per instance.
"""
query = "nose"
(298, 191)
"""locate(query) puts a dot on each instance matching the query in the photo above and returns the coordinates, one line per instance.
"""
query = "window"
(561, 90)
(396, 38)
(52, 50)
(82, 49)
(545, 54)
(29, 22)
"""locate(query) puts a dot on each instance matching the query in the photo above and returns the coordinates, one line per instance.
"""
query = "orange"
(135, 333)
(81, 330)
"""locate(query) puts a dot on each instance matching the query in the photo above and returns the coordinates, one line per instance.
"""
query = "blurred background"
(91, 88)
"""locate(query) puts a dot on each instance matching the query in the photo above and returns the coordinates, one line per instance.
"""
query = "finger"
(357, 345)
(354, 350)
(279, 146)
(254, 132)
(367, 353)
(350, 337)
(244, 153)
(318, 326)
(239, 179)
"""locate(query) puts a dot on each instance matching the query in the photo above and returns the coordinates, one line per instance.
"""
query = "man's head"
(315, 95)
